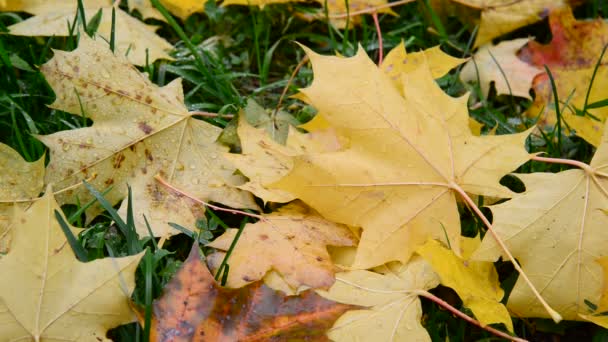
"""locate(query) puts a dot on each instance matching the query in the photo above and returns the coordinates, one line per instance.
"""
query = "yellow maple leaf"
(406, 158)
(394, 308)
(20, 183)
(598, 317)
(34, 6)
(476, 282)
(499, 64)
(556, 229)
(181, 8)
(51, 295)
(398, 62)
(139, 130)
(291, 241)
(134, 39)
(264, 161)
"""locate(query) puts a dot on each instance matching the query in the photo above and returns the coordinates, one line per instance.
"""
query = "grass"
(229, 55)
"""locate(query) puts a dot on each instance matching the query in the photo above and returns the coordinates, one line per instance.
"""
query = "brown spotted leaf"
(195, 308)
(291, 241)
(139, 130)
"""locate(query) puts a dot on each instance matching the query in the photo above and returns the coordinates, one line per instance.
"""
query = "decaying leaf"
(556, 229)
(20, 182)
(139, 130)
(476, 282)
(134, 39)
(571, 56)
(291, 241)
(181, 8)
(394, 310)
(194, 308)
(405, 158)
(51, 296)
(499, 64)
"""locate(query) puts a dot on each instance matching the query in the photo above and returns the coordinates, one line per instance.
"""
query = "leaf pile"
(357, 213)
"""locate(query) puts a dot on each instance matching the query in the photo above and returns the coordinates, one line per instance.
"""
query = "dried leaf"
(194, 308)
(291, 241)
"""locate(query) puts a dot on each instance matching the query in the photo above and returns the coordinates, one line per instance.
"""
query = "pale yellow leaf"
(20, 182)
(263, 161)
(134, 39)
(557, 231)
(51, 296)
(476, 282)
(499, 64)
(291, 241)
(397, 176)
(398, 62)
(139, 130)
(394, 311)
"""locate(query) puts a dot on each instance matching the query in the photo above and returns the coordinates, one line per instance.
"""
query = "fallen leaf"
(20, 183)
(35, 6)
(194, 308)
(499, 64)
(394, 311)
(263, 161)
(556, 229)
(599, 315)
(291, 241)
(398, 62)
(51, 296)
(139, 130)
(405, 157)
(134, 39)
(475, 282)
(571, 56)
(146, 9)
(498, 17)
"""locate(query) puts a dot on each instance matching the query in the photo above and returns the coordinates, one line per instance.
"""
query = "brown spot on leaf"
(109, 181)
(145, 127)
(149, 155)
(263, 237)
(148, 99)
(118, 160)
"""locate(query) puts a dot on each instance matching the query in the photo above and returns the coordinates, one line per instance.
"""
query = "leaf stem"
(554, 314)
(576, 163)
(210, 115)
(380, 46)
(293, 75)
(462, 316)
